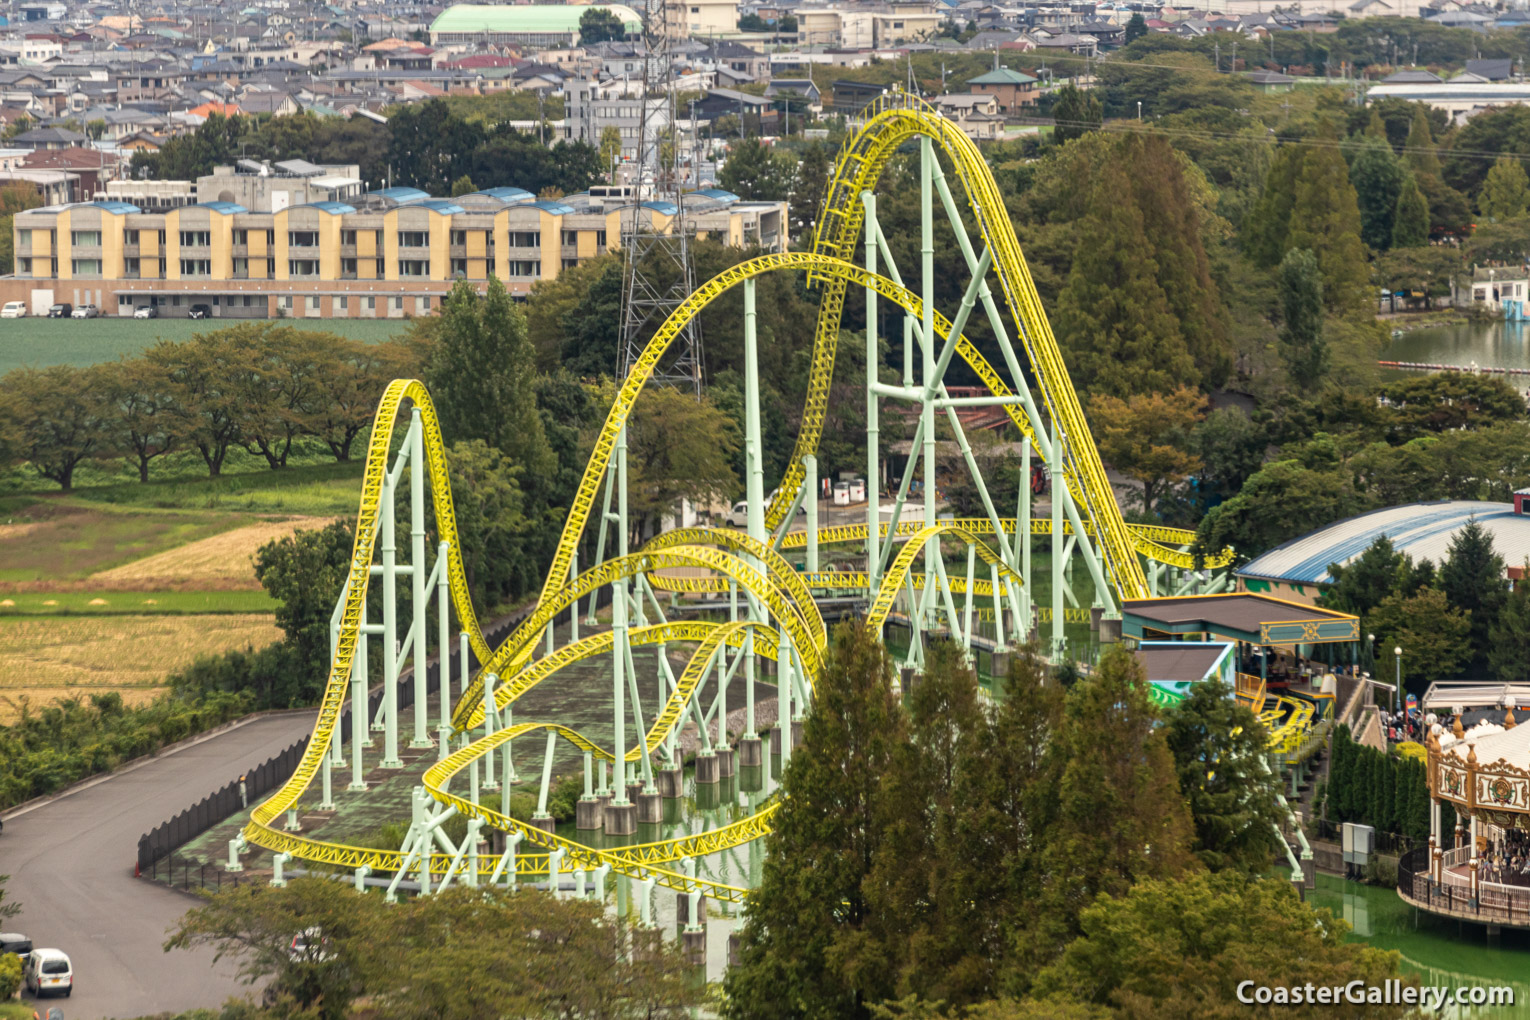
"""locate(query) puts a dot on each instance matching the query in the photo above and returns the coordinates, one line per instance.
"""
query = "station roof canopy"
(1180, 661)
(1238, 616)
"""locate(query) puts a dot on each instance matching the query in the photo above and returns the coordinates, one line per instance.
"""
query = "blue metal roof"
(556, 208)
(119, 208)
(1422, 530)
(330, 207)
(719, 194)
(444, 206)
(403, 196)
(226, 208)
(507, 194)
(667, 208)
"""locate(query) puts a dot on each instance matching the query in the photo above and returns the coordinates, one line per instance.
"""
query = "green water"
(1438, 950)
(1488, 345)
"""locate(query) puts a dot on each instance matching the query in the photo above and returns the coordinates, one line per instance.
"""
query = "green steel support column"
(998, 606)
(360, 738)
(444, 635)
(754, 479)
(810, 500)
(573, 613)
(784, 696)
(619, 632)
(967, 599)
(927, 405)
(490, 726)
(873, 429)
(417, 579)
(600, 536)
(1091, 558)
(391, 760)
(1059, 639)
(645, 761)
(1023, 542)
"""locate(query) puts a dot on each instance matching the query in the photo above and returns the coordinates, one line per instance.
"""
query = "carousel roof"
(1492, 742)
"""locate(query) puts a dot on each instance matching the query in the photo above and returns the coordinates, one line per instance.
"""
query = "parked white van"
(48, 972)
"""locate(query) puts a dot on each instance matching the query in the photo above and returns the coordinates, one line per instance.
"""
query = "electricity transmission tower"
(657, 275)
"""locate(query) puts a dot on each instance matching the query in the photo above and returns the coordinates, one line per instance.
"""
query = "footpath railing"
(157, 858)
(1494, 902)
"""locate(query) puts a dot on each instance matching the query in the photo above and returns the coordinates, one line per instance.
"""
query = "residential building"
(697, 18)
(1012, 90)
(390, 253)
(532, 25)
(590, 107)
(271, 187)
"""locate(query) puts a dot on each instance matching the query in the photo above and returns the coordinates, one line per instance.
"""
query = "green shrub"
(10, 975)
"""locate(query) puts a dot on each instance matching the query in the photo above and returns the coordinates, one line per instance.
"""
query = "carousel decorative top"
(1484, 770)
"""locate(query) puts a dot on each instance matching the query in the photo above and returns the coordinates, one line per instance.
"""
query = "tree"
(1145, 437)
(1505, 191)
(1302, 345)
(1509, 637)
(1120, 819)
(678, 448)
(754, 172)
(1230, 446)
(144, 422)
(1136, 28)
(610, 148)
(494, 528)
(1472, 578)
(349, 379)
(1421, 156)
(463, 186)
(571, 319)
(1410, 220)
(60, 416)
(810, 907)
(1435, 635)
(1219, 748)
(429, 147)
(14, 198)
(7, 910)
(1365, 582)
(202, 373)
(1378, 178)
(1076, 113)
(598, 25)
(1452, 401)
(1180, 948)
(305, 573)
(1425, 271)
(809, 190)
(480, 376)
(1325, 217)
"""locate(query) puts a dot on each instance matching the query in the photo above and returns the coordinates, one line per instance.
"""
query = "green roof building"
(527, 24)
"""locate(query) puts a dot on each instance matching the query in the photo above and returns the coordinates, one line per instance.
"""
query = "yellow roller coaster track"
(755, 570)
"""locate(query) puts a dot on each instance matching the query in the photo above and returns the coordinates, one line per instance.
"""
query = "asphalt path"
(71, 865)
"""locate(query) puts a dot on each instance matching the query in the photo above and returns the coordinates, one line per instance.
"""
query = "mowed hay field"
(43, 658)
(219, 562)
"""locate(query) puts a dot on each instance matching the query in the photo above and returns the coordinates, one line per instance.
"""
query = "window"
(570, 263)
(285, 302)
(525, 239)
(370, 304)
(23, 267)
(459, 237)
(342, 303)
(459, 266)
(422, 305)
(398, 304)
(413, 238)
(348, 237)
(302, 267)
(196, 239)
(241, 269)
(525, 269)
(313, 305)
(128, 237)
(130, 268)
(302, 238)
(270, 239)
(85, 238)
(348, 268)
(196, 267)
(241, 237)
(570, 237)
(600, 238)
(161, 235)
(85, 267)
(413, 267)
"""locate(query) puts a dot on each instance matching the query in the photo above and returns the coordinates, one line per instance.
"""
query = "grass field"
(43, 659)
(105, 602)
(42, 342)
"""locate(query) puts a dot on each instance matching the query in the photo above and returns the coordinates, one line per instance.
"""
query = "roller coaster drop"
(772, 612)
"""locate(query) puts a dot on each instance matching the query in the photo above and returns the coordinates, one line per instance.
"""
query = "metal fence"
(156, 848)
(1386, 842)
(1494, 903)
(184, 873)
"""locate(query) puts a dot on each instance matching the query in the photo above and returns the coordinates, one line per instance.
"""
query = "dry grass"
(50, 657)
(222, 562)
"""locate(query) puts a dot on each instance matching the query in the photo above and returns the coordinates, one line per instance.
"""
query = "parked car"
(86, 312)
(12, 942)
(60, 311)
(738, 517)
(146, 312)
(48, 972)
(14, 310)
(199, 312)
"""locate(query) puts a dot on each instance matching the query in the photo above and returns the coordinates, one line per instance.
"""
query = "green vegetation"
(137, 603)
(1386, 790)
(530, 954)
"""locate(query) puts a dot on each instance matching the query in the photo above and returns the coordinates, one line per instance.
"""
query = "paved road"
(71, 866)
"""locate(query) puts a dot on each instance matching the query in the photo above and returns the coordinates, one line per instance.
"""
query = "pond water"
(1487, 345)
(1438, 950)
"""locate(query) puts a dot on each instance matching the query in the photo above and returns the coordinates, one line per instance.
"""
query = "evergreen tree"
(481, 376)
(1302, 345)
(1472, 579)
(801, 949)
(1360, 585)
(754, 172)
(1136, 28)
(1076, 112)
(1505, 192)
(1119, 821)
(1509, 637)
(1218, 748)
(1378, 178)
(1410, 221)
(1325, 217)
(1374, 128)
(1266, 227)
(1420, 145)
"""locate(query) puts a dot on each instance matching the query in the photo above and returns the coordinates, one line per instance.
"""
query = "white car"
(14, 310)
(738, 517)
(146, 312)
(86, 312)
(48, 972)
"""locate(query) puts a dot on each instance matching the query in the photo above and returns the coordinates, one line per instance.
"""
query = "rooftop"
(531, 18)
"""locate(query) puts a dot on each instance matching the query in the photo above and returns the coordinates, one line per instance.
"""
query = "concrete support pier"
(650, 808)
(671, 782)
(751, 752)
(725, 765)
(621, 819)
(588, 814)
(706, 769)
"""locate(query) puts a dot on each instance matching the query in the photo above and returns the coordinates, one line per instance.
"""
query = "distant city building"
(524, 24)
